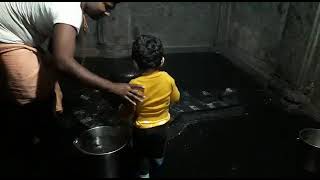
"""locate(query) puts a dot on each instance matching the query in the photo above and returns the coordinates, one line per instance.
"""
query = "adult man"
(27, 76)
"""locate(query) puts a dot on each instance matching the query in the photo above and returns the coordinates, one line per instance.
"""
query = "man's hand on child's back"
(131, 92)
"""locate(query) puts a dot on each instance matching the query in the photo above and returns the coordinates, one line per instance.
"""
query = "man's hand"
(130, 92)
(63, 48)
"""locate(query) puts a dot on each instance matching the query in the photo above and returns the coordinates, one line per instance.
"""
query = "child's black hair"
(147, 51)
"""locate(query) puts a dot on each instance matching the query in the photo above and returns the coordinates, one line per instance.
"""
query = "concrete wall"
(182, 26)
(308, 77)
(252, 32)
(275, 39)
(296, 37)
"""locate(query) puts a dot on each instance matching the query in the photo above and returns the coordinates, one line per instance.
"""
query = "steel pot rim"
(75, 143)
(307, 142)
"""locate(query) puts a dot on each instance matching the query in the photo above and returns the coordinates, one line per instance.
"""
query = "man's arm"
(63, 49)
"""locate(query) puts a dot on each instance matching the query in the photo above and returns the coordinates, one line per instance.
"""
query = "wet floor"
(236, 147)
(249, 137)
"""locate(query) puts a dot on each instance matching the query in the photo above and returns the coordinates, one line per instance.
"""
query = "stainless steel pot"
(102, 148)
(309, 150)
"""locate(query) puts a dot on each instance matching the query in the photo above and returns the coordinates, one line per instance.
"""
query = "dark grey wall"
(182, 26)
(279, 39)
(296, 37)
(252, 33)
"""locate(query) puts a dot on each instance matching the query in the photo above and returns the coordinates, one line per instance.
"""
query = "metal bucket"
(309, 151)
(103, 148)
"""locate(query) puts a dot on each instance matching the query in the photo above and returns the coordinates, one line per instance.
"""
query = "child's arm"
(175, 95)
(126, 111)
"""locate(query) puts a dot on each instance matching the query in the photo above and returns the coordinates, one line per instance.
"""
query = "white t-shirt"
(31, 23)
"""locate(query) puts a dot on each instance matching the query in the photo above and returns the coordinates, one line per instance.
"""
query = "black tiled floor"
(258, 140)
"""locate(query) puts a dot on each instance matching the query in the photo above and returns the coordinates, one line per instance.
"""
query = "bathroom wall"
(182, 26)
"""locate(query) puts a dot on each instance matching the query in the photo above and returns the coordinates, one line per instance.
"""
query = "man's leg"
(17, 157)
(29, 85)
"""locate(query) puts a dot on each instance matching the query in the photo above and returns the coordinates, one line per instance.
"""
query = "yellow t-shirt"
(160, 90)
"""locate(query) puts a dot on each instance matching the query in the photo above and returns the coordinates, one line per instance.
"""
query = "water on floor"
(226, 125)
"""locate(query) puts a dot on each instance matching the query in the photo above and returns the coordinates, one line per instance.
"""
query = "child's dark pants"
(150, 145)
